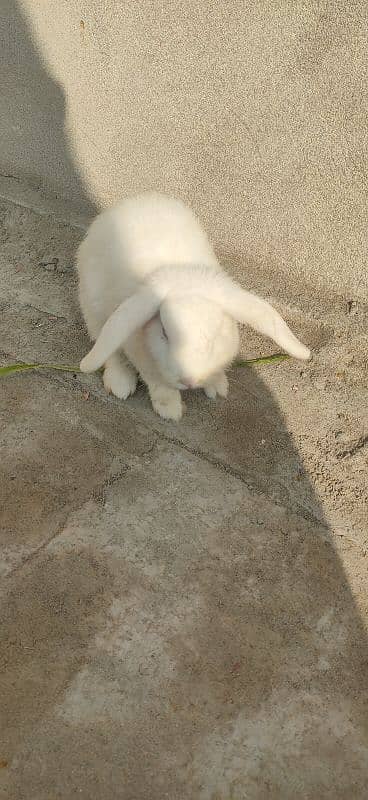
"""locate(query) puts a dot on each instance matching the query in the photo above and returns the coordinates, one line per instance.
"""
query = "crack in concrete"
(351, 451)
(225, 467)
(294, 508)
(13, 177)
(99, 493)
(237, 475)
(34, 553)
(46, 314)
(11, 306)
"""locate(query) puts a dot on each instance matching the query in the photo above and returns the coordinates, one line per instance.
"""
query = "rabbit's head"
(190, 339)
(189, 316)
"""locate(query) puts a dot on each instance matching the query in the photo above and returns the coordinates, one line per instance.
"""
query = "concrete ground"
(183, 607)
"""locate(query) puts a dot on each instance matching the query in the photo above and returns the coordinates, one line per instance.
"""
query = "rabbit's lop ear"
(254, 311)
(128, 317)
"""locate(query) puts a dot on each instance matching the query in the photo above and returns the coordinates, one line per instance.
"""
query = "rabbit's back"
(126, 243)
(157, 230)
(145, 232)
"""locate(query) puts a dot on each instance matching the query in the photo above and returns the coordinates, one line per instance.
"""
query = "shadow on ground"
(32, 118)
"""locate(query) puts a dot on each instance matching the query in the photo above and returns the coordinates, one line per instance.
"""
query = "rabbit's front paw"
(166, 402)
(219, 386)
(120, 379)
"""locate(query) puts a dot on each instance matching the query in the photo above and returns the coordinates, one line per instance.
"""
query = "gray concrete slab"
(183, 607)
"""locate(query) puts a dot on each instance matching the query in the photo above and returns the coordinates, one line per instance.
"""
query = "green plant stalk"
(9, 369)
(252, 362)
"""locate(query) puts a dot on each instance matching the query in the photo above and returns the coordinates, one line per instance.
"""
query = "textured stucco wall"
(256, 112)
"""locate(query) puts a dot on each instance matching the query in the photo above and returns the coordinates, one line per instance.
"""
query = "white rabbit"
(156, 301)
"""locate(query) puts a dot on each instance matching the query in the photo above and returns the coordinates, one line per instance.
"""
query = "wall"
(256, 112)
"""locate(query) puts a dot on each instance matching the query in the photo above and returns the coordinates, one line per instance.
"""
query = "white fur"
(150, 288)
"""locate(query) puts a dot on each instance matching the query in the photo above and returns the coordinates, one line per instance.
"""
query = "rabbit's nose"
(189, 383)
